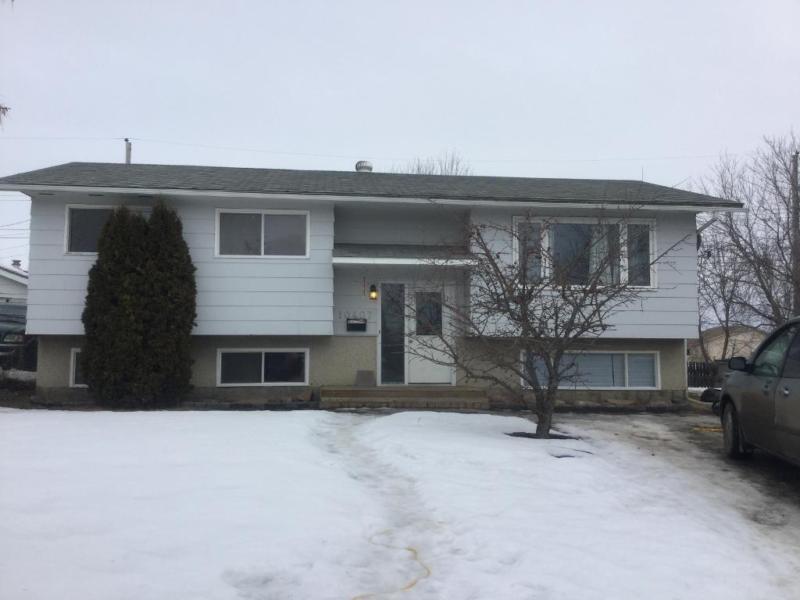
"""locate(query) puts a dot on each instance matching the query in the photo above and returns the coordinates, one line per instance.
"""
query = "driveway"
(764, 488)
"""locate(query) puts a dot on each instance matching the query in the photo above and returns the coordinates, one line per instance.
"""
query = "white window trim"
(144, 209)
(73, 362)
(221, 351)
(262, 212)
(656, 353)
(623, 267)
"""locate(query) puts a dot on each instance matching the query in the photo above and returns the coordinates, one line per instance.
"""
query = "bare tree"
(721, 284)
(757, 241)
(3, 112)
(448, 163)
(535, 302)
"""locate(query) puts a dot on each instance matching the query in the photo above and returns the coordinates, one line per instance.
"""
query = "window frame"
(262, 351)
(576, 386)
(145, 210)
(73, 363)
(262, 212)
(546, 259)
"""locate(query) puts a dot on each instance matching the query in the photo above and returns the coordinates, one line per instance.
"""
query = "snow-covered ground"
(317, 505)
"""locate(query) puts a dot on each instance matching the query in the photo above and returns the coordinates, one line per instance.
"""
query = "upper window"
(577, 252)
(84, 226)
(530, 244)
(583, 251)
(263, 233)
(639, 254)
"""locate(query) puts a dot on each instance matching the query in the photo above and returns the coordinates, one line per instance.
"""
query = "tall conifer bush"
(114, 353)
(140, 310)
(170, 312)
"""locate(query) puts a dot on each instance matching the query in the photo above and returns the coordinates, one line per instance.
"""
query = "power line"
(15, 223)
(57, 138)
(353, 157)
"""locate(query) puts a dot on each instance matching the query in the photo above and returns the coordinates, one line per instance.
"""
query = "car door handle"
(785, 391)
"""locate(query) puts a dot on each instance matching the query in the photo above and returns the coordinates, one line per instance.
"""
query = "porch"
(404, 396)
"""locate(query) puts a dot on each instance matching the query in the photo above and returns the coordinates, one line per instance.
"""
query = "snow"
(18, 375)
(317, 505)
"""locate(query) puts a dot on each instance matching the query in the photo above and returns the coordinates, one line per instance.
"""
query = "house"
(302, 275)
(742, 340)
(13, 284)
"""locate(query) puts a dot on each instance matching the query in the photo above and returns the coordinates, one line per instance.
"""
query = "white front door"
(427, 361)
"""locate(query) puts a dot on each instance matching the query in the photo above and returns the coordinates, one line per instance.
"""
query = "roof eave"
(674, 207)
(13, 276)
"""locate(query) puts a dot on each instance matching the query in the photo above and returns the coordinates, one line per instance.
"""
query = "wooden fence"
(705, 375)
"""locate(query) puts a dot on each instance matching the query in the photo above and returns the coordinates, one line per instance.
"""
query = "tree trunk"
(544, 421)
(544, 412)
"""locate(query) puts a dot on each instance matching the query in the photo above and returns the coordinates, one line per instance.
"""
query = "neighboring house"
(742, 340)
(13, 284)
(302, 275)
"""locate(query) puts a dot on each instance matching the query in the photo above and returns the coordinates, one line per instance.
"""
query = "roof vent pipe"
(127, 151)
(364, 166)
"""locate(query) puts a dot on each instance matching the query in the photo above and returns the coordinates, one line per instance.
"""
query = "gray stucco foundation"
(335, 361)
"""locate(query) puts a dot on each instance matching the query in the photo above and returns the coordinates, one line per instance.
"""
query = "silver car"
(760, 399)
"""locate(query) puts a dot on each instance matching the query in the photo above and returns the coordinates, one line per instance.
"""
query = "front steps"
(406, 396)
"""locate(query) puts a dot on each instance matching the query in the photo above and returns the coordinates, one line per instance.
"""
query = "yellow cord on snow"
(414, 556)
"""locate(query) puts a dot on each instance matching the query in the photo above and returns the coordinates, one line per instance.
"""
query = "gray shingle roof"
(347, 183)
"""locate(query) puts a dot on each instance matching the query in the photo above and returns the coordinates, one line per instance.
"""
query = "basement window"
(248, 367)
(76, 378)
(606, 370)
(262, 233)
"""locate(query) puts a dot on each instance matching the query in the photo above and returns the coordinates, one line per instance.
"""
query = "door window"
(769, 361)
(428, 311)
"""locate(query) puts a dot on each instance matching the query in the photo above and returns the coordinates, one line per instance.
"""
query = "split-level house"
(299, 272)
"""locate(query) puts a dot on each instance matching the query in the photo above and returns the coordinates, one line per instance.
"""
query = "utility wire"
(15, 223)
(353, 157)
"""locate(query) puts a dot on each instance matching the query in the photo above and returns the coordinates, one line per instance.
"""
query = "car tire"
(732, 441)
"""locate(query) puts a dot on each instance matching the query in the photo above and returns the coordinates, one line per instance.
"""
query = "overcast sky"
(541, 89)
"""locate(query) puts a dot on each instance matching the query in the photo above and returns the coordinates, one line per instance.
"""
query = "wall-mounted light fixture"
(373, 292)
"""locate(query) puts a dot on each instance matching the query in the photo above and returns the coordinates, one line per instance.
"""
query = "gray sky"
(568, 89)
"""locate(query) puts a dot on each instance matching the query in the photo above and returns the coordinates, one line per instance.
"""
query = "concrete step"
(437, 398)
(443, 391)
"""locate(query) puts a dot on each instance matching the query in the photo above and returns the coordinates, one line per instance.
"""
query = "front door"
(393, 333)
(427, 360)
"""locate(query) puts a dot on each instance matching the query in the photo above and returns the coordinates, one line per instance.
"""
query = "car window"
(769, 361)
(791, 367)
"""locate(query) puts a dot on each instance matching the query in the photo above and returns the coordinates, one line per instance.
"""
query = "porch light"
(373, 292)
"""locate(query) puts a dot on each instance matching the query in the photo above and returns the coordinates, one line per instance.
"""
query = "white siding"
(410, 224)
(295, 296)
(670, 310)
(12, 291)
(236, 296)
